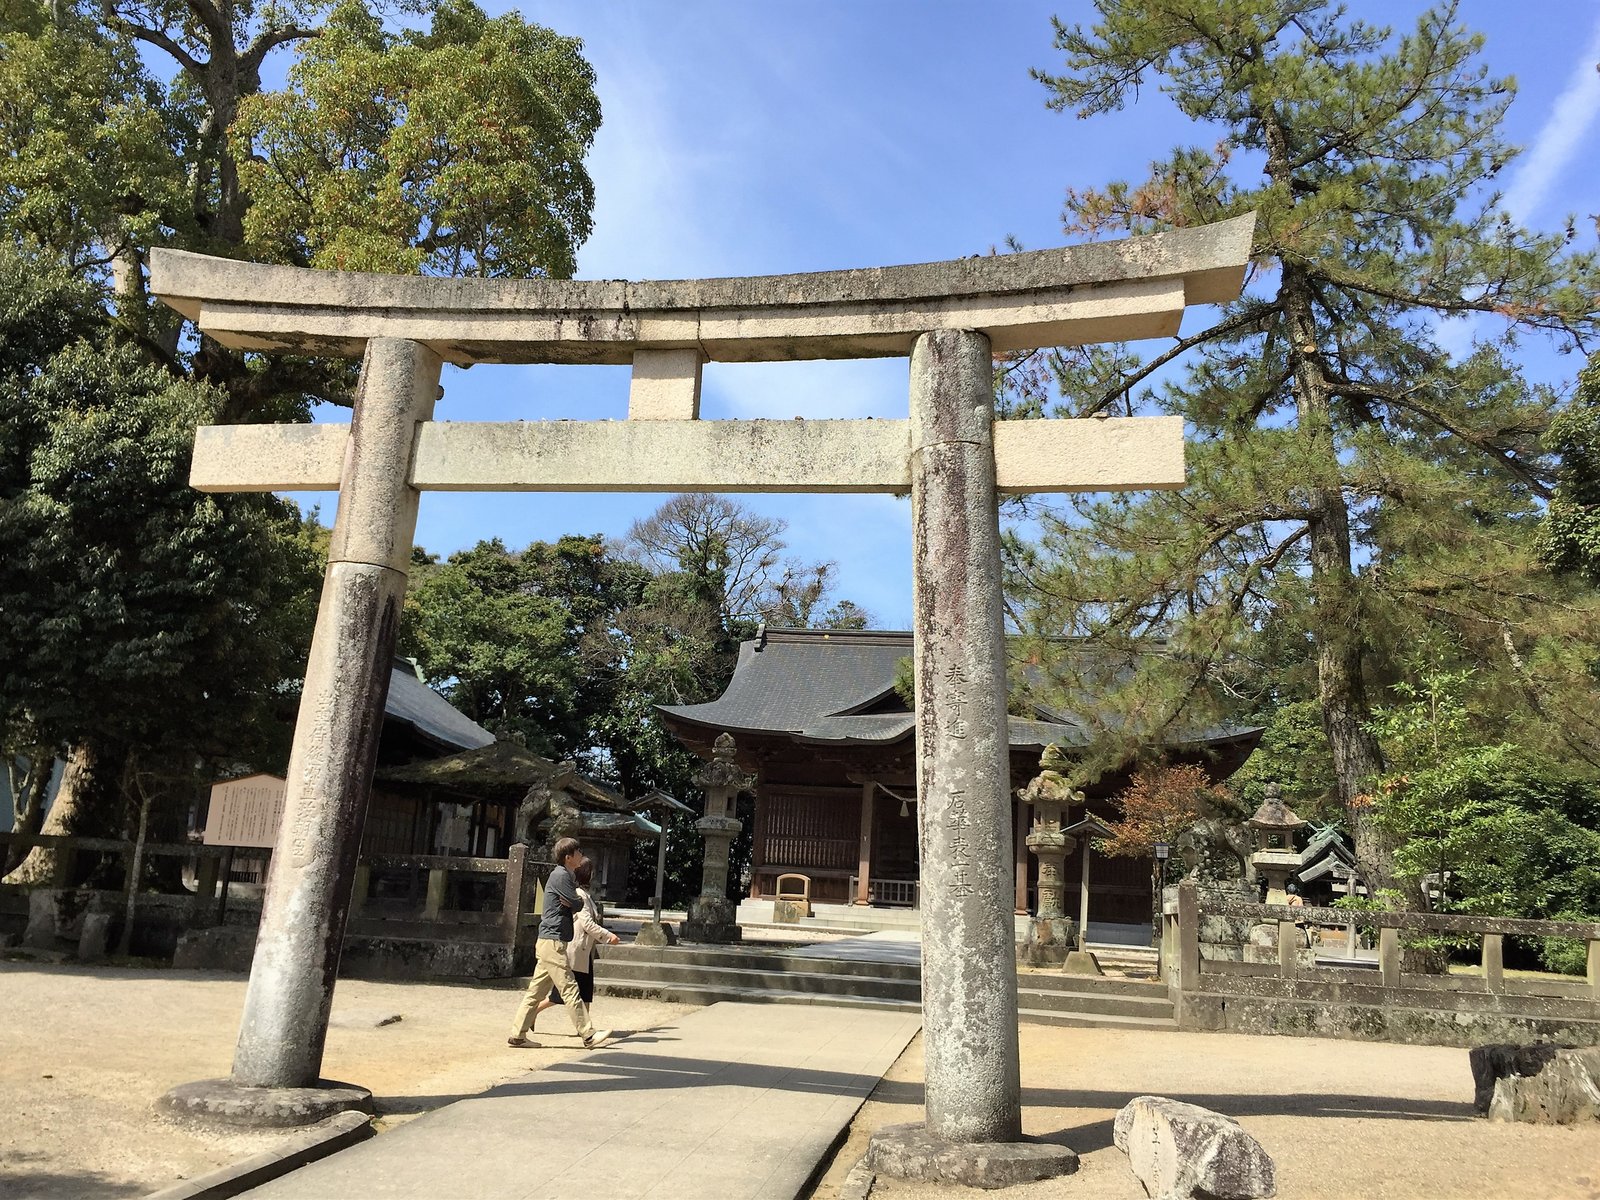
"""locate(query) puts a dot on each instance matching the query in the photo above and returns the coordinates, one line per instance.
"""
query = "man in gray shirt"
(550, 954)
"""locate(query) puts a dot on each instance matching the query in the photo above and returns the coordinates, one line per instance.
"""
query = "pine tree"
(1354, 490)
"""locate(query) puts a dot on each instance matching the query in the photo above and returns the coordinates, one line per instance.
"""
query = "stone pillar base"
(222, 1102)
(652, 933)
(1082, 962)
(790, 912)
(911, 1152)
(1048, 942)
(712, 919)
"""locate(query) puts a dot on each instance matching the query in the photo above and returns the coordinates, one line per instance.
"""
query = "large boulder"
(1542, 1084)
(1184, 1152)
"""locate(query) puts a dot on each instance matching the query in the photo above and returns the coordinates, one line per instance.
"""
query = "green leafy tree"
(1570, 538)
(455, 151)
(456, 147)
(146, 630)
(1496, 829)
(1342, 464)
(519, 642)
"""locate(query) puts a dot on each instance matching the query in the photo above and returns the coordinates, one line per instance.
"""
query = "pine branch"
(1409, 399)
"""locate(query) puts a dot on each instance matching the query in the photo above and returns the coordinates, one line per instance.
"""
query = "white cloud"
(1571, 115)
(1538, 170)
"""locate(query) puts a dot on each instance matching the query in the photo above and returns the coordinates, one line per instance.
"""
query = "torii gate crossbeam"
(950, 454)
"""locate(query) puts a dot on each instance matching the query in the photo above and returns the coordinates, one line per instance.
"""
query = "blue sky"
(747, 138)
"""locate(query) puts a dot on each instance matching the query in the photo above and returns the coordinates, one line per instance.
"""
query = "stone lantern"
(1272, 832)
(1050, 931)
(712, 916)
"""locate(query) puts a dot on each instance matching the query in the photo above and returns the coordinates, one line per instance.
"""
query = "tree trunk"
(86, 806)
(28, 796)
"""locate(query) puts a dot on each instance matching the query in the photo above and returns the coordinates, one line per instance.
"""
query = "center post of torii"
(952, 456)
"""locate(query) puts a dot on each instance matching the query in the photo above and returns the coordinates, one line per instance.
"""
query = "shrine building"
(816, 715)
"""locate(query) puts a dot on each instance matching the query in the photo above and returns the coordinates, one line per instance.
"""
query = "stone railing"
(484, 901)
(1296, 990)
(427, 895)
(207, 865)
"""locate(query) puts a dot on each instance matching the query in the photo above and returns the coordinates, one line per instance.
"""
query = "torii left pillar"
(279, 1056)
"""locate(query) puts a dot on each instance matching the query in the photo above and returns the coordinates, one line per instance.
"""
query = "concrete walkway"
(733, 1100)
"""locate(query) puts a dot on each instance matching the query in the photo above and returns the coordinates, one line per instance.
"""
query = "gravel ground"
(85, 1051)
(1342, 1120)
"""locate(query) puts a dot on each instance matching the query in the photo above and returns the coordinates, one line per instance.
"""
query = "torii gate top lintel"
(1096, 291)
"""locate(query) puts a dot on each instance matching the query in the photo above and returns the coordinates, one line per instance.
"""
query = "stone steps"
(707, 975)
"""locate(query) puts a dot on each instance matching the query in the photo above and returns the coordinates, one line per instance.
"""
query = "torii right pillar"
(973, 1090)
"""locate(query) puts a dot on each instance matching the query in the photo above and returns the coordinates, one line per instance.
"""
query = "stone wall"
(1244, 967)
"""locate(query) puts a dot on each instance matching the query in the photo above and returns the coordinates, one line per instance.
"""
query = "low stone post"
(205, 891)
(973, 1098)
(1288, 949)
(712, 916)
(1049, 937)
(433, 903)
(335, 748)
(1389, 956)
(1494, 969)
(1188, 935)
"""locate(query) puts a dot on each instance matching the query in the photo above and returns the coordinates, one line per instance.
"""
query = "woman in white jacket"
(587, 933)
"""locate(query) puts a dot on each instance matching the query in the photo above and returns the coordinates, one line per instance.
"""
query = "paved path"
(730, 1101)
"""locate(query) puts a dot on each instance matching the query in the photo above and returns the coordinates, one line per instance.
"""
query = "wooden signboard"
(245, 812)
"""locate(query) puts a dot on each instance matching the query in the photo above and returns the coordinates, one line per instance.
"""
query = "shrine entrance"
(951, 455)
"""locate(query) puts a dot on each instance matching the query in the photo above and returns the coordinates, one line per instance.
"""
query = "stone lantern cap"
(1274, 813)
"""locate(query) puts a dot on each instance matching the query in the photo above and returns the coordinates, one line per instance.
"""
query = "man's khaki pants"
(550, 970)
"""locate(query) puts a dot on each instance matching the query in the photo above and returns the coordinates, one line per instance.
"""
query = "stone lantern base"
(1048, 942)
(712, 919)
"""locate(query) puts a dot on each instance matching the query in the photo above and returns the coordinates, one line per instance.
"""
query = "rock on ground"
(1543, 1084)
(1185, 1152)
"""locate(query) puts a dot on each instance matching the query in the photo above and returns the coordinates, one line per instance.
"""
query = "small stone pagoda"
(1050, 930)
(712, 916)
(1272, 832)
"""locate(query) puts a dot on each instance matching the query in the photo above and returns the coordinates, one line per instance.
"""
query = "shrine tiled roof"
(828, 686)
(412, 702)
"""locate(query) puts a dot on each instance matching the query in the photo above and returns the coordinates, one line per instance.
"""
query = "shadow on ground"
(60, 1185)
(1096, 1135)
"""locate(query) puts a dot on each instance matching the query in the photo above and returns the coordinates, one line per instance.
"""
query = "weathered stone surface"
(41, 931)
(1365, 1014)
(825, 456)
(1082, 962)
(1542, 1084)
(1178, 1151)
(665, 385)
(1098, 291)
(712, 919)
(912, 1152)
(789, 912)
(223, 1102)
(1048, 942)
(284, 1024)
(653, 933)
(224, 948)
(93, 937)
(969, 988)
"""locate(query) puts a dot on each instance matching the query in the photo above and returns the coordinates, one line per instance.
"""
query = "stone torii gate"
(951, 455)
